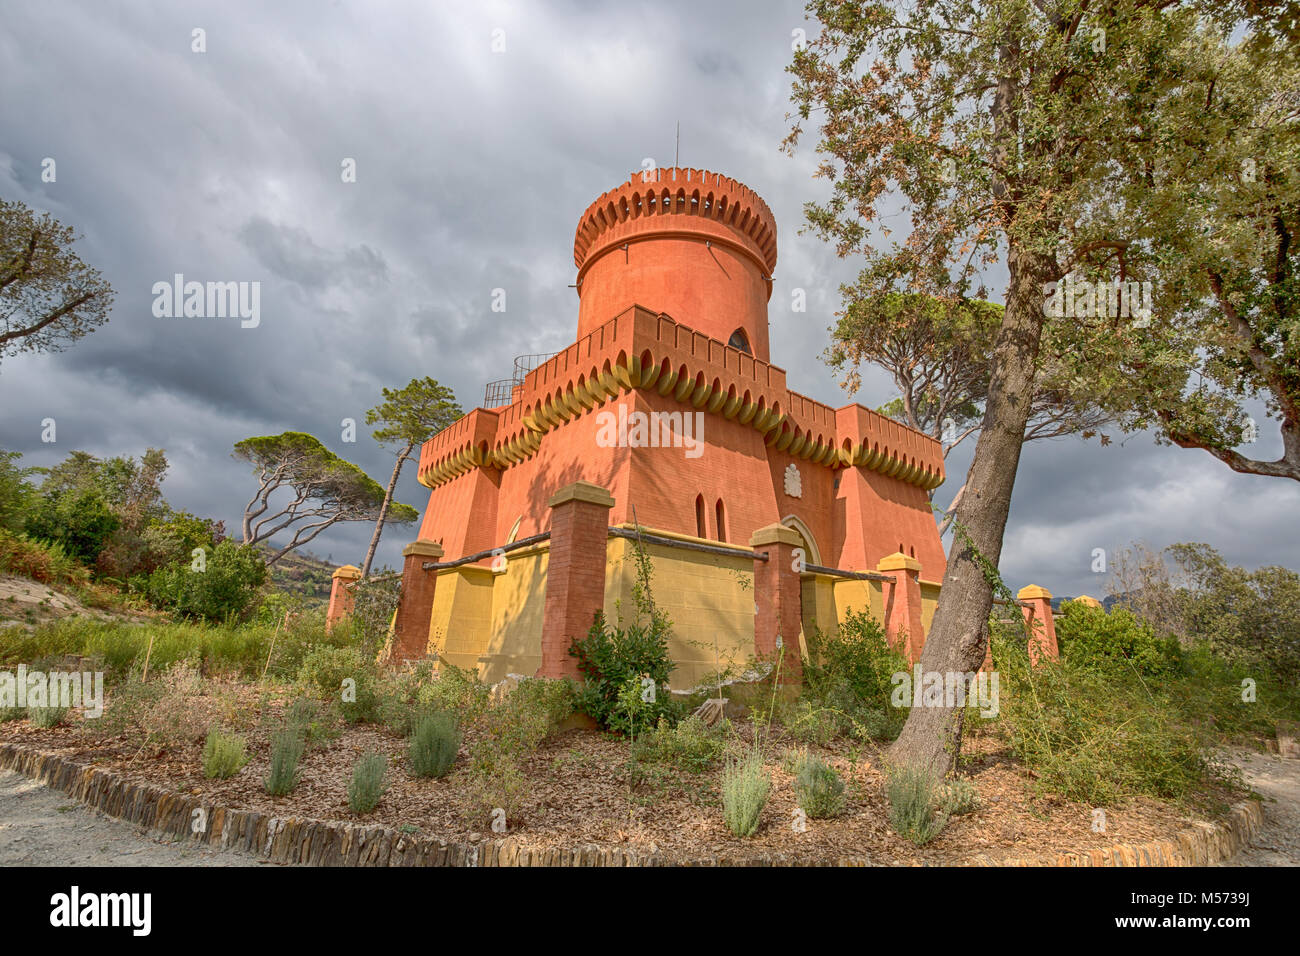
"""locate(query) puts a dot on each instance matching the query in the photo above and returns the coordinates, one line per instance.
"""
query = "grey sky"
(472, 170)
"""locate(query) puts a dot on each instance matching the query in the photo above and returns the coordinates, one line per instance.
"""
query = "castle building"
(764, 512)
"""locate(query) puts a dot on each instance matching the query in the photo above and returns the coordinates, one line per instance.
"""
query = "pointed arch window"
(700, 530)
(740, 341)
(720, 516)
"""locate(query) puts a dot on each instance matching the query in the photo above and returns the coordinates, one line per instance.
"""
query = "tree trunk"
(383, 510)
(931, 738)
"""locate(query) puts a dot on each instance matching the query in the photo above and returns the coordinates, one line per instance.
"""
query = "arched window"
(740, 341)
(700, 530)
(721, 516)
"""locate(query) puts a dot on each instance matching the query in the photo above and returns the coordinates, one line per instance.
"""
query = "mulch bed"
(578, 794)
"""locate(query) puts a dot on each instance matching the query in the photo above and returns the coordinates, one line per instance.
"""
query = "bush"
(434, 745)
(848, 684)
(222, 591)
(957, 797)
(367, 786)
(43, 561)
(609, 659)
(167, 713)
(912, 813)
(510, 731)
(745, 788)
(80, 521)
(455, 691)
(46, 717)
(1097, 735)
(324, 671)
(286, 751)
(223, 755)
(1089, 637)
(313, 721)
(819, 789)
(689, 746)
(10, 713)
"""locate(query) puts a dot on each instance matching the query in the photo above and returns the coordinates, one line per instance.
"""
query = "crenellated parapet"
(677, 199)
(641, 350)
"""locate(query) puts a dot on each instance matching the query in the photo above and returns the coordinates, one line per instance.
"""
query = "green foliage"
(42, 561)
(434, 744)
(688, 746)
(46, 717)
(79, 521)
(48, 296)
(122, 646)
(1089, 637)
(16, 492)
(11, 713)
(609, 659)
(367, 786)
(912, 798)
(286, 751)
(509, 732)
(819, 789)
(745, 788)
(223, 590)
(223, 755)
(455, 691)
(1096, 735)
(957, 797)
(848, 683)
(315, 722)
(341, 674)
(374, 602)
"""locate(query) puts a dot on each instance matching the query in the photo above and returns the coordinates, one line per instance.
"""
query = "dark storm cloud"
(473, 168)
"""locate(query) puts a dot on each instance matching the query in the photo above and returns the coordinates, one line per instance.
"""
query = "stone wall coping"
(582, 491)
(424, 548)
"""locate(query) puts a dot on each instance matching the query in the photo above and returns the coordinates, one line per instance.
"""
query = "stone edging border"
(335, 843)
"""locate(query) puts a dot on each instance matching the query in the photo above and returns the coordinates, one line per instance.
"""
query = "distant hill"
(303, 574)
(1108, 602)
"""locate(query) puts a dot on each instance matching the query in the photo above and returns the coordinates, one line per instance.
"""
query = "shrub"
(367, 786)
(1097, 735)
(222, 591)
(168, 713)
(223, 755)
(912, 813)
(286, 751)
(10, 713)
(689, 746)
(848, 684)
(44, 561)
(312, 720)
(957, 797)
(510, 731)
(455, 691)
(434, 745)
(609, 658)
(46, 717)
(745, 788)
(325, 670)
(819, 789)
(1089, 637)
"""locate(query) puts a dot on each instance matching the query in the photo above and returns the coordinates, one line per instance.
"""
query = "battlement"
(648, 196)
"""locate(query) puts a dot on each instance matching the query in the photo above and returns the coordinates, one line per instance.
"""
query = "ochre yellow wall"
(518, 599)
(491, 622)
(703, 596)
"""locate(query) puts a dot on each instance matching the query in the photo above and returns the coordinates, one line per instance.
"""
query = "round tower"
(696, 245)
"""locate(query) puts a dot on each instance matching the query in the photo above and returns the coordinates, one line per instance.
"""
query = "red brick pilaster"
(340, 607)
(903, 604)
(575, 572)
(1037, 609)
(778, 597)
(411, 629)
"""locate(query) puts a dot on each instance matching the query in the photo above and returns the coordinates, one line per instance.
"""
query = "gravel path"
(1277, 780)
(43, 827)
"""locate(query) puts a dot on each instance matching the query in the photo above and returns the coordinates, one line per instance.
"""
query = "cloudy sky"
(472, 168)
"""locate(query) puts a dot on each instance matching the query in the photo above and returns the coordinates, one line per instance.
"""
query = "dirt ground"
(1277, 780)
(42, 827)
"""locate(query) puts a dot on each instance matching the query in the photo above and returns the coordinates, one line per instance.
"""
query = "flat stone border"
(311, 842)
